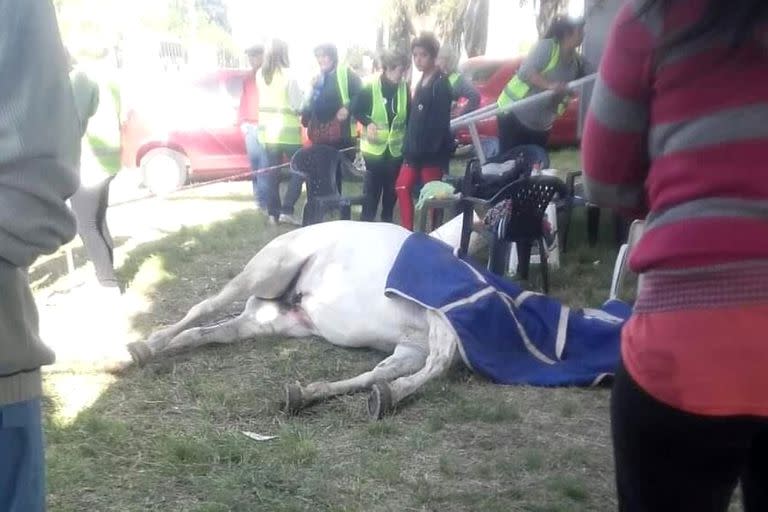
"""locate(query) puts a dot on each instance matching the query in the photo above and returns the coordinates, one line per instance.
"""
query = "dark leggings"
(89, 205)
(514, 133)
(669, 460)
(379, 183)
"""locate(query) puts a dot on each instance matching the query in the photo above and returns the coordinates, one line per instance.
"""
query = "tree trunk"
(548, 10)
(476, 27)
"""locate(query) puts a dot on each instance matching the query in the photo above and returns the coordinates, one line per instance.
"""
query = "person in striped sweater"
(677, 133)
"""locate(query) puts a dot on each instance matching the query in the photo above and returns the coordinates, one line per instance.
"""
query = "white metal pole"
(485, 112)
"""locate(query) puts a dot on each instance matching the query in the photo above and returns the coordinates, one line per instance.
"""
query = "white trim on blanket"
(600, 378)
(562, 331)
(480, 277)
(522, 297)
(468, 300)
(535, 352)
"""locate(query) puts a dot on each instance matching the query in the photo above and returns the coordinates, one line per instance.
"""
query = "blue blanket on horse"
(506, 334)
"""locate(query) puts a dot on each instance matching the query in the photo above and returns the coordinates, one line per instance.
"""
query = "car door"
(208, 130)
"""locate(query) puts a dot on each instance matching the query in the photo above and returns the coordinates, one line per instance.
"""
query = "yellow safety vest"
(342, 79)
(453, 78)
(517, 88)
(278, 122)
(386, 136)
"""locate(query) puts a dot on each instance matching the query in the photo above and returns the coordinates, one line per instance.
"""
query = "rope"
(191, 186)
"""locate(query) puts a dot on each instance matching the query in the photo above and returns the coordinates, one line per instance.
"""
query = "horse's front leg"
(405, 360)
(443, 347)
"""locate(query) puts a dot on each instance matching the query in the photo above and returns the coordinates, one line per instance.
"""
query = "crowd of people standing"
(405, 135)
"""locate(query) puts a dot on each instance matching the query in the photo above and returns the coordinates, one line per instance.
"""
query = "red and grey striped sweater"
(681, 138)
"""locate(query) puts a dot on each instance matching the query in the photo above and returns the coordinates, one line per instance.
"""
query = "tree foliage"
(455, 22)
(547, 11)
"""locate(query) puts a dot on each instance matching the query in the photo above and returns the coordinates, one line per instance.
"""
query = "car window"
(481, 74)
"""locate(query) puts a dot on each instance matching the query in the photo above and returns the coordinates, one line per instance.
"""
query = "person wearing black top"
(382, 138)
(428, 141)
(326, 114)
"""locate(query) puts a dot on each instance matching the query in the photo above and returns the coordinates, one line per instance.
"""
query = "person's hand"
(342, 114)
(559, 88)
(371, 131)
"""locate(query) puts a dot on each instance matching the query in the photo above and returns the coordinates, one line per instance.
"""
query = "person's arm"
(535, 63)
(614, 146)
(355, 86)
(242, 109)
(39, 142)
(361, 106)
(465, 89)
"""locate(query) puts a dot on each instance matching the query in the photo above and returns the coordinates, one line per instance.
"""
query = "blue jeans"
(22, 461)
(270, 180)
(258, 159)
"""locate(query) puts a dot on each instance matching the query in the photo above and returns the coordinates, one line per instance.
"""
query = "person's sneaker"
(286, 218)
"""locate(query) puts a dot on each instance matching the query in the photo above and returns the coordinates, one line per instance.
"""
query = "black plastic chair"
(320, 166)
(575, 199)
(524, 226)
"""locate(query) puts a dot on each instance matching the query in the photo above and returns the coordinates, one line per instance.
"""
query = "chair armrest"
(570, 181)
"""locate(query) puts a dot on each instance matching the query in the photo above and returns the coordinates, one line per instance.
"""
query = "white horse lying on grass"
(328, 280)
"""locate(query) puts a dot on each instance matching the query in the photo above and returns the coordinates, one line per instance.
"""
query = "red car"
(490, 76)
(179, 130)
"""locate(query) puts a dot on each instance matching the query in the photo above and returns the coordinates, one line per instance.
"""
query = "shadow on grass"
(53, 269)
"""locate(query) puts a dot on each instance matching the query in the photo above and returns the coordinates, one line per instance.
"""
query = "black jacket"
(428, 139)
(328, 103)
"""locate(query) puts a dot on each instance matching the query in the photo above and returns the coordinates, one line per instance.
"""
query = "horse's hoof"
(294, 399)
(140, 352)
(380, 401)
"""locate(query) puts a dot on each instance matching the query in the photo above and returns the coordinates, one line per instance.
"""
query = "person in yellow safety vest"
(548, 67)
(462, 88)
(382, 108)
(280, 101)
(326, 114)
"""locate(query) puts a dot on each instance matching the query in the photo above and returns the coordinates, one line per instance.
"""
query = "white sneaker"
(289, 219)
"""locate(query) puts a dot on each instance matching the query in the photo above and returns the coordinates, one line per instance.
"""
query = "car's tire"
(164, 170)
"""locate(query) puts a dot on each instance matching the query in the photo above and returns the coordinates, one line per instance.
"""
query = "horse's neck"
(450, 233)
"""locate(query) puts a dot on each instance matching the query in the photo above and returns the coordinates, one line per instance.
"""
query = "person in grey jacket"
(90, 202)
(39, 150)
(461, 87)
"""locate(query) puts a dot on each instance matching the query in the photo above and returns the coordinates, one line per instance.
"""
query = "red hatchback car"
(490, 76)
(178, 130)
(181, 130)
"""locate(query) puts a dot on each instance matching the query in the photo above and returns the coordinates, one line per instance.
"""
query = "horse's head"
(450, 233)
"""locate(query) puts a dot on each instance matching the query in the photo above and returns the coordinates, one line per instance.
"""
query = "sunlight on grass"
(74, 393)
(151, 273)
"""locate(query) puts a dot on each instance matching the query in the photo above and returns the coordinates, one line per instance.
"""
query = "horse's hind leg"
(443, 346)
(406, 359)
(268, 275)
(259, 318)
